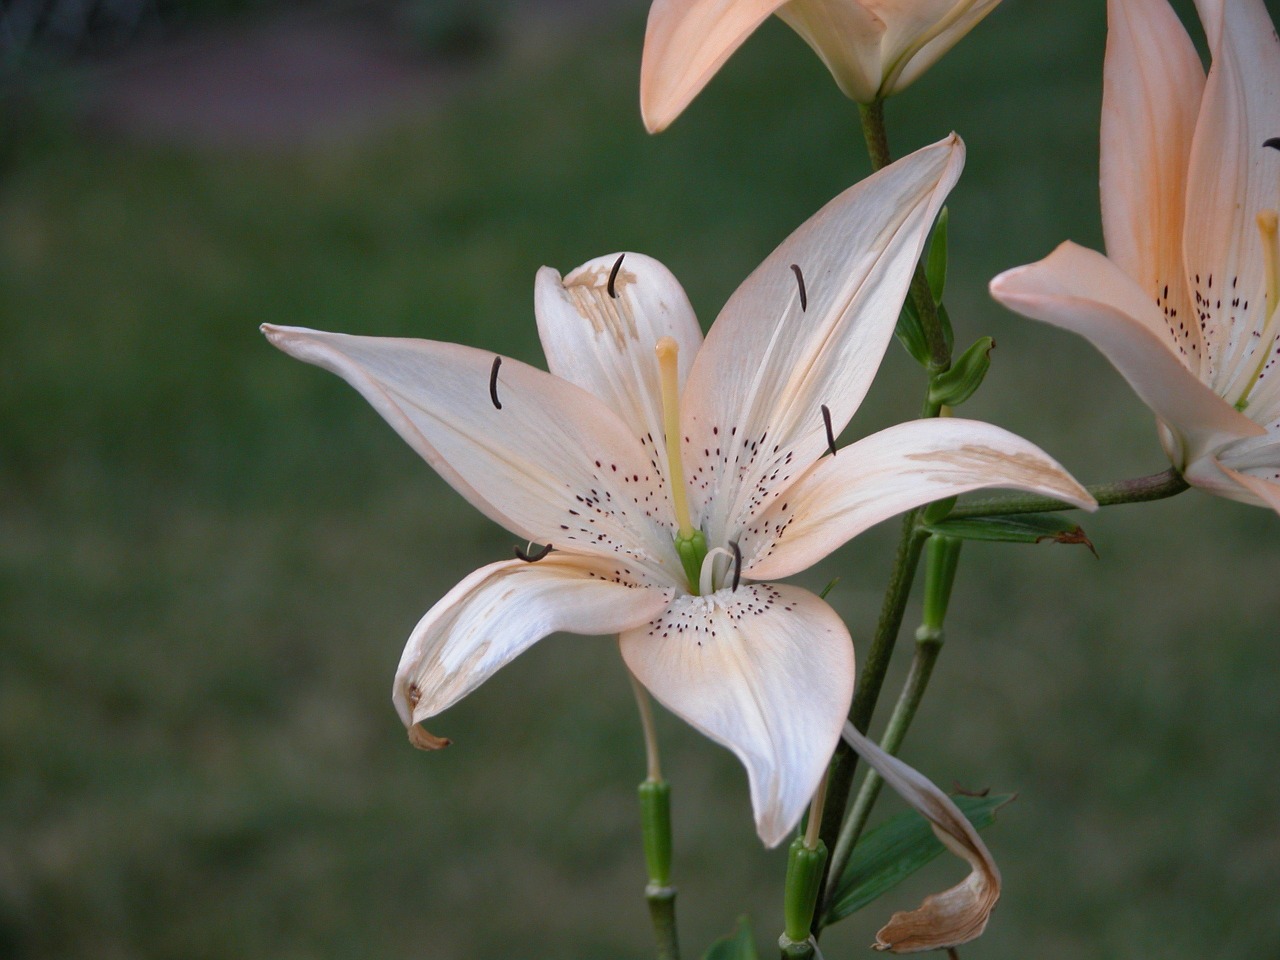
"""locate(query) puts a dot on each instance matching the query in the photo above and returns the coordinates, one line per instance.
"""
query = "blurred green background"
(210, 554)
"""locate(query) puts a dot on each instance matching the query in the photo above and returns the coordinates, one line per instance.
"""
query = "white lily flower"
(873, 48)
(671, 475)
(1184, 305)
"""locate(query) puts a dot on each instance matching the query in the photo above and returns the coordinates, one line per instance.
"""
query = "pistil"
(691, 544)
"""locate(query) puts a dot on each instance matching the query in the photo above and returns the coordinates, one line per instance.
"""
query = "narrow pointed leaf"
(911, 334)
(739, 945)
(1014, 528)
(935, 269)
(897, 848)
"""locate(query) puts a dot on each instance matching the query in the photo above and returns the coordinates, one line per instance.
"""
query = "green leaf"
(944, 321)
(897, 848)
(739, 945)
(955, 386)
(935, 266)
(1015, 528)
(911, 334)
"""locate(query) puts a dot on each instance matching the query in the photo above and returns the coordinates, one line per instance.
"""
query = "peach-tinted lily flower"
(873, 48)
(671, 475)
(1185, 302)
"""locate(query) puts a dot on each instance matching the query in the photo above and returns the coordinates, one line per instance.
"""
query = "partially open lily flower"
(873, 48)
(666, 477)
(1185, 302)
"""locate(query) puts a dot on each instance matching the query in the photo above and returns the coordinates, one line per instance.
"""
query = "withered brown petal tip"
(423, 740)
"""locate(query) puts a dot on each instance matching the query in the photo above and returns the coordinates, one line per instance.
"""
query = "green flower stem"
(805, 863)
(874, 132)
(877, 138)
(1157, 486)
(870, 680)
(940, 571)
(662, 914)
(655, 822)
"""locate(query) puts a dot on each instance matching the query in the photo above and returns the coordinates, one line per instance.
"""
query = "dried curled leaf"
(956, 915)
(423, 740)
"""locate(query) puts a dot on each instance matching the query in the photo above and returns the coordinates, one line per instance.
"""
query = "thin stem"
(652, 760)
(812, 829)
(655, 820)
(870, 680)
(877, 138)
(874, 132)
(1156, 486)
(662, 914)
(928, 645)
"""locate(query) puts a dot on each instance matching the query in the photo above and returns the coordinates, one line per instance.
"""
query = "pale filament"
(707, 578)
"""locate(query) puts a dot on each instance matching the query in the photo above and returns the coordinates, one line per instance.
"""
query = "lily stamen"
(804, 298)
(529, 556)
(831, 436)
(613, 276)
(737, 564)
(707, 576)
(493, 383)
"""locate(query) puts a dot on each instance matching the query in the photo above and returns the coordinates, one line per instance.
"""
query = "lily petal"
(775, 356)
(849, 37)
(1232, 178)
(552, 464)
(1082, 291)
(954, 916)
(599, 328)
(1248, 471)
(914, 47)
(501, 610)
(904, 466)
(685, 43)
(766, 670)
(1152, 83)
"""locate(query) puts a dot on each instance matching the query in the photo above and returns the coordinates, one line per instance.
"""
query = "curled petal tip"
(423, 740)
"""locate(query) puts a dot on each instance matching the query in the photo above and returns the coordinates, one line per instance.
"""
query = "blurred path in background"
(302, 75)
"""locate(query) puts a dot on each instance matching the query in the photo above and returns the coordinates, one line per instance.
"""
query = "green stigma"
(692, 550)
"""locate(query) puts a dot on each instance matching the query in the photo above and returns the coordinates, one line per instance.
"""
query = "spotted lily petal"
(1151, 98)
(500, 610)
(888, 472)
(551, 463)
(1232, 177)
(599, 326)
(766, 670)
(954, 916)
(791, 341)
(1082, 291)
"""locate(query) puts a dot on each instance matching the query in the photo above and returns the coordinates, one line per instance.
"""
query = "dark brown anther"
(831, 437)
(493, 383)
(1273, 143)
(613, 276)
(533, 557)
(804, 298)
(737, 564)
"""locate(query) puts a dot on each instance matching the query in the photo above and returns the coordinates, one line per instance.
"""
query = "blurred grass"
(210, 555)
